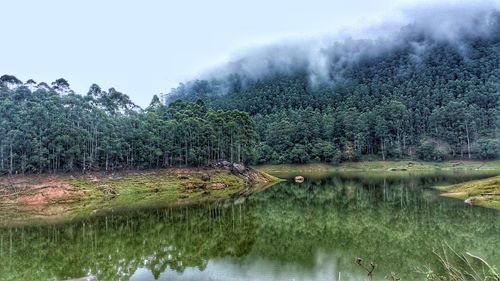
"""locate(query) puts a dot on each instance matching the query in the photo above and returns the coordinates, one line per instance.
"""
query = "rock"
(400, 169)
(194, 185)
(240, 200)
(226, 163)
(299, 179)
(469, 201)
(183, 177)
(183, 196)
(239, 168)
(217, 185)
(205, 177)
(205, 193)
(108, 190)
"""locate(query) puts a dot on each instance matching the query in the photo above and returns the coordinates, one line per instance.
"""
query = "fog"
(325, 58)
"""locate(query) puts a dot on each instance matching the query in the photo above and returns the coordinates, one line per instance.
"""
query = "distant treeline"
(426, 98)
(51, 129)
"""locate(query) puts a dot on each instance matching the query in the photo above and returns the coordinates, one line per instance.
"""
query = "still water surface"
(308, 231)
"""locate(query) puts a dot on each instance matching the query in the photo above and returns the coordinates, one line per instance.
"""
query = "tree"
(488, 148)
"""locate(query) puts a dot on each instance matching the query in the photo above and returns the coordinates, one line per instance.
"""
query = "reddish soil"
(33, 190)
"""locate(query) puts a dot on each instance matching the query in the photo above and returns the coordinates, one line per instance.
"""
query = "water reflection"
(308, 231)
(251, 268)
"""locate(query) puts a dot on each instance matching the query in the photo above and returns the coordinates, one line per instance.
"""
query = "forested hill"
(427, 93)
(424, 92)
(51, 129)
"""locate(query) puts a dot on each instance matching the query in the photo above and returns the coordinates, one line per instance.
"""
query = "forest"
(418, 96)
(46, 129)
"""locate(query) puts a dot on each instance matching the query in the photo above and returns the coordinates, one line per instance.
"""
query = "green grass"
(485, 192)
(155, 188)
(403, 165)
(129, 190)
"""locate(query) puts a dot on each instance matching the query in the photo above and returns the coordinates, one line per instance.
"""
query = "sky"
(147, 47)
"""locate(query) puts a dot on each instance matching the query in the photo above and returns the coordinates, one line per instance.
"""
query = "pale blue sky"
(146, 47)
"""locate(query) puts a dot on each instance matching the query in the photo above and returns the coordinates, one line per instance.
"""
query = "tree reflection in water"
(307, 231)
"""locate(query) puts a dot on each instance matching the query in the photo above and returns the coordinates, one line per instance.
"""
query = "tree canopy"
(52, 129)
(442, 96)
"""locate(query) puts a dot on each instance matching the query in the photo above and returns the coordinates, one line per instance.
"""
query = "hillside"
(423, 93)
(427, 93)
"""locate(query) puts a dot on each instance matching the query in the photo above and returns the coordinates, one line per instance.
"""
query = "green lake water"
(290, 231)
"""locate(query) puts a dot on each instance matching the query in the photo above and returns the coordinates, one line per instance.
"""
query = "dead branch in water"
(369, 270)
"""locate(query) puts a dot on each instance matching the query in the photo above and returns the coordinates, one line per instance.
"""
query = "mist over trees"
(52, 129)
(421, 94)
(427, 93)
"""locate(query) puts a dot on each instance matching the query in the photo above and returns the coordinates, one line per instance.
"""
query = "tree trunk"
(468, 140)
(231, 148)
(11, 159)
(404, 144)
(239, 153)
(1, 152)
(383, 149)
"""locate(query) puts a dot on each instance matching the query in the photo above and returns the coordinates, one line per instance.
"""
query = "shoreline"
(378, 168)
(60, 197)
(484, 192)
(55, 197)
(391, 165)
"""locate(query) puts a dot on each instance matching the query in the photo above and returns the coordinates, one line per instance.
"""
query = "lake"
(309, 231)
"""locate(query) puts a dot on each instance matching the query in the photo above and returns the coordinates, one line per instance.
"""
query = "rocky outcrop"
(250, 175)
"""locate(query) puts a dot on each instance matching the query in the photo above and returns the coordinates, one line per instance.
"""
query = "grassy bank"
(387, 166)
(319, 169)
(62, 197)
(485, 192)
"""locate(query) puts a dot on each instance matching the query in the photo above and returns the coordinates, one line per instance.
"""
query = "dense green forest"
(416, 96)
(50, 128)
